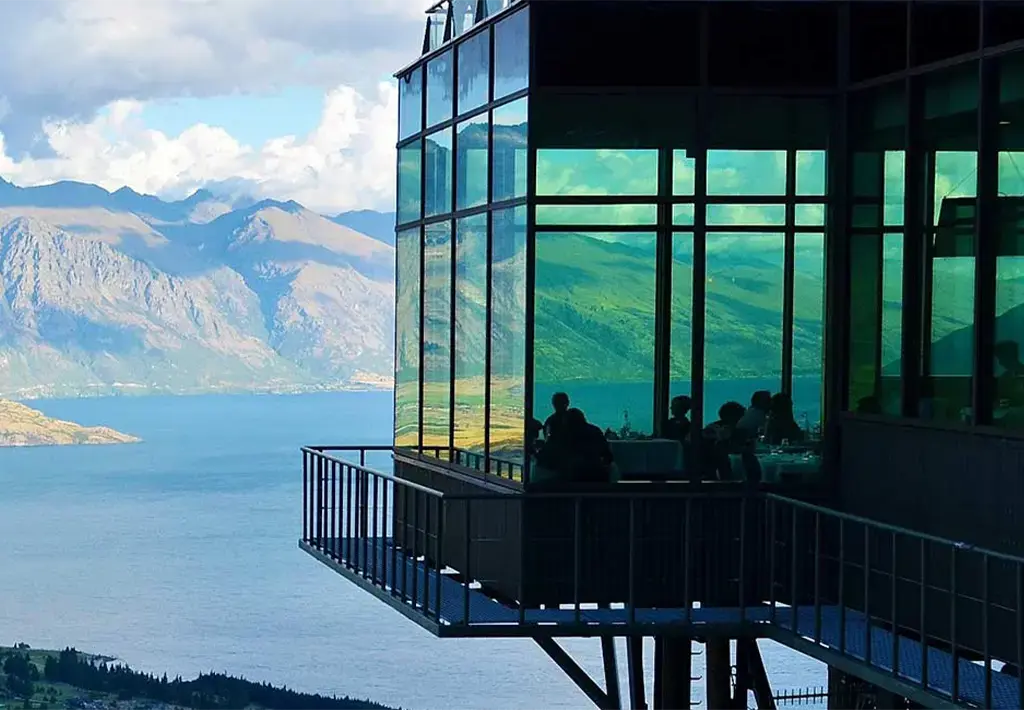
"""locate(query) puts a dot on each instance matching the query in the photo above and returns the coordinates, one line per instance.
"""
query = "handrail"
(373, 472)
(896, 529)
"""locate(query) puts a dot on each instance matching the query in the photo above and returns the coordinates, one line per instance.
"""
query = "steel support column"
(719, 694)
(578, 676)
(672, 669)
(635, 671)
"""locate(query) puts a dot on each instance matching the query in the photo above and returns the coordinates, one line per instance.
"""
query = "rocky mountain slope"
(24, 426)
(115, 292)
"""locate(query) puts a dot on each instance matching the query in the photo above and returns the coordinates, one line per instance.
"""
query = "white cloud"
(346, 162)
(66, 59)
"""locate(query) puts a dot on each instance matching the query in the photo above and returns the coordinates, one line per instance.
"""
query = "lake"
(180, 554)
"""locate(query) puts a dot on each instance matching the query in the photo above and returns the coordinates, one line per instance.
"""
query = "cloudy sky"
(164, 96)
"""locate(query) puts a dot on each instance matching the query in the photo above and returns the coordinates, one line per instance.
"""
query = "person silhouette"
(560, 403)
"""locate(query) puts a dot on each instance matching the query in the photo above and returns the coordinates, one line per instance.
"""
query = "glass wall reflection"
(437, 324)
(407, 338)
(470, 333)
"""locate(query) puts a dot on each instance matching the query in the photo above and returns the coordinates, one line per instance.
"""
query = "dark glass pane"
(943, 29)
(440, 98)
(437, 323)
(877, 167)
(878, 38)
(772, 44)
(407, 339)
(509, 154)
(573, 41)
(512, 54)
(470, 332)
(474, 71)
(876, 312)
(438, 183)
(1009, 316)
(594, 327)
(808, 329)
(410, 159)
(681, 353)
(743, 318)
(950, 132)
(471, 166)
(508, 333)
(1004, 22)
(597, 171)
(410, 103)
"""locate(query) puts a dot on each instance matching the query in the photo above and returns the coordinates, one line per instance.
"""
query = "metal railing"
(476, 460)
(837, 579)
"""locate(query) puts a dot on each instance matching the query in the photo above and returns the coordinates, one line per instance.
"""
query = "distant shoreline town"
(43, 680)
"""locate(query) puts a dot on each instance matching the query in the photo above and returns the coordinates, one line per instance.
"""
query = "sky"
(292, 99)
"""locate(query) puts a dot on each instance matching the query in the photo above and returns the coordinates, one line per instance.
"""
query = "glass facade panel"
(808, 329)
(810, 172)
(440, 97)
(732, 215)
(682, 215)
(410, 103)
(407, 339)
(1008, 408)
(471, 162)
(594, 327)
(437, 325)
(950, 130)
(512, 54)
(410, 165)
(509, 154)
(508, 334)
(564, 172)
(743, 318)
(747, 172)
(683, 170)
(583, 215)
(470, 332)
(437, 198)
(877, 168)
(680, 348)
(474, 72)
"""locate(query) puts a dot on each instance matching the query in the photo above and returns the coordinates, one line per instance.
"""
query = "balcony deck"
(358, 522)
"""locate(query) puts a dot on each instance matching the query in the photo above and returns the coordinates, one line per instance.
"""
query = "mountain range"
(114, 292)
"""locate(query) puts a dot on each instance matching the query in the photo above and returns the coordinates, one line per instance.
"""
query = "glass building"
(835, 219)
(630, 201)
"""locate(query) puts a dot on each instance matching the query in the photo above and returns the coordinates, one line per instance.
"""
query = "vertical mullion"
(698, 320)
(488, 318)
(986, 236)
(531, 254)
(914, 261)
(453, 286)
(663, 292)
(787, 276)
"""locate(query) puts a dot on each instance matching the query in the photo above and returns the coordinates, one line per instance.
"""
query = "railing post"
(385, 518)
(305, 495)
(467, 578)
(1019, 569)
(924, 615)
(842, 586)
(772, 542)
(743, 558)
(577, 547)
(793, 586)
(320, 505)
(632, 561)
(415, 548)
(987, 590)
(438, 547)
(376, 542)
(895, 614)
(405, 543)
(817, 577)
(350, 545)
(867, 594)
(426, 555)
(952, 624)
(687, 560)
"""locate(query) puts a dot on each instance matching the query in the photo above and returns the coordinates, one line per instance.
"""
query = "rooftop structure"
(663, 209)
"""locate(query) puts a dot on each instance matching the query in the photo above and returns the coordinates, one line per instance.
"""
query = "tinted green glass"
(597, 171)
(437, 323)
(509, 154)
(410, 165)
(470, 332)
(508, 333)
(410, 103)
(440, 99)
(471, 162)
(437, 198)
(594, 326)
(407, 339)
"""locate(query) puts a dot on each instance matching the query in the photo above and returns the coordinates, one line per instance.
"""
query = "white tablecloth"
(635, 457)
(773, 466)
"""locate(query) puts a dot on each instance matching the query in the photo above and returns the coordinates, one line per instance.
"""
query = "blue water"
(179, 555)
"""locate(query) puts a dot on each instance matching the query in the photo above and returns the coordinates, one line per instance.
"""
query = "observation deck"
(911, 613)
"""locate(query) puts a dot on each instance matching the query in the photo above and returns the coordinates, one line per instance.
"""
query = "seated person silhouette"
(869, 405)
(781, 425)
(560, 403)
(578, 451)
(751, 424)
(721, 438)
(678, 426)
